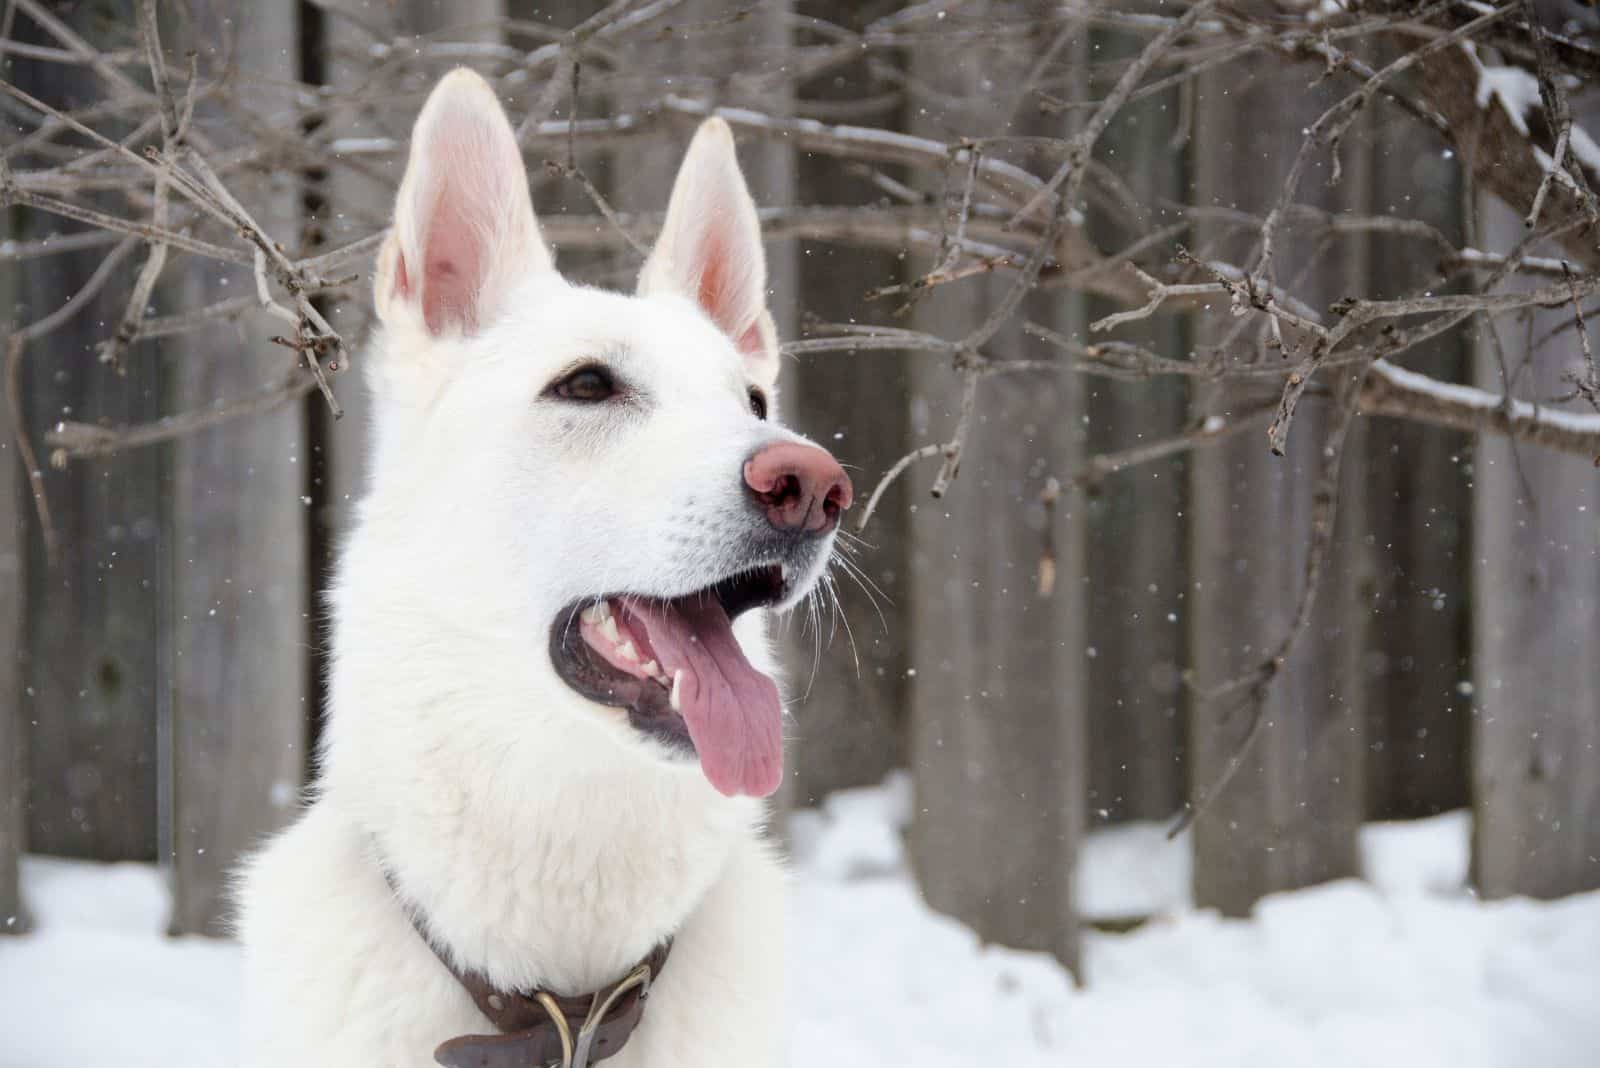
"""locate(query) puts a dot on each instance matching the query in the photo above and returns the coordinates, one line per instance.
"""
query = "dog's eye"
(587, 385)
(758, 403)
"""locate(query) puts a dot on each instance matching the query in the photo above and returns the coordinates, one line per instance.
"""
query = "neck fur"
(541, 849)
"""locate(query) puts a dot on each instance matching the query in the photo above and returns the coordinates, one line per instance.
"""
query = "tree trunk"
(1536, 627)
(1418, 505)
(13, 751)
(238, 559)
(997, 731)
(1137, 569)
(1289, 817)
(90, 674)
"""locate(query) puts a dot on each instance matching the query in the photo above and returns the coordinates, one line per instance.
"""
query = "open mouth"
(677, 668)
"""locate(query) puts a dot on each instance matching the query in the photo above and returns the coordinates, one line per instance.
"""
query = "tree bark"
(1136, 555)
(1536, 626)
(1415, 589)
(13, 735)
(239, 582)
(1289, 817)
(997, 732)
(90, 673)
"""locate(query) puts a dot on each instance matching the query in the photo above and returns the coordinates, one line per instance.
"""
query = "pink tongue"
(732, 710)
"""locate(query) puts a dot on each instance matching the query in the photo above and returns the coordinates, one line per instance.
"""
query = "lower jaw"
(643, 703)
(669, 731)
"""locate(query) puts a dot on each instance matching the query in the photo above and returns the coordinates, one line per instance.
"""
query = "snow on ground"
(1405, 969)
(97, 985)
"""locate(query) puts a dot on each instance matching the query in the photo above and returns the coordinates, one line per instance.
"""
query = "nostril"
(800, 486)
(786, 489)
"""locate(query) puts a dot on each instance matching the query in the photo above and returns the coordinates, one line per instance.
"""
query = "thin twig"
(1257, 685)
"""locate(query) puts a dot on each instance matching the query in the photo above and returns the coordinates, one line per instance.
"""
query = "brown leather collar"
(539, 1029)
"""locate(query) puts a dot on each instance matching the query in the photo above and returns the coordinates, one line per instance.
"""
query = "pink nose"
(800, 487)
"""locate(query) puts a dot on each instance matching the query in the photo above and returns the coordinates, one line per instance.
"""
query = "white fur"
(548, 844)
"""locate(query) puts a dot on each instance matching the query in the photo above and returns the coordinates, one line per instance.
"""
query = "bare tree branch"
(147, 167)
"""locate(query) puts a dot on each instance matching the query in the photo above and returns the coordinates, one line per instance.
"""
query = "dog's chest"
(350, 982)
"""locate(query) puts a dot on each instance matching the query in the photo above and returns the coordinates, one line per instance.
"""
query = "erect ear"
(464, 229)
(710, 249)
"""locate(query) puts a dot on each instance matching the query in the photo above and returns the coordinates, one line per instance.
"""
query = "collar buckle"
(640, 977)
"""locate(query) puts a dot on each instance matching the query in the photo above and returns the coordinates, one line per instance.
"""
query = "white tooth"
(651, 668)
(595, 613)
(627, 651)
(677, 691)
(608, 627)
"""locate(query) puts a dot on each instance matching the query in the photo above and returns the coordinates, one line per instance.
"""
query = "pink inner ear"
(722, 291)
(454, 268)
(749, 343)
(715, 284)
(402, 281)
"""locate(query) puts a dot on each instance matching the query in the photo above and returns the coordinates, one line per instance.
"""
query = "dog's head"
(595, 473)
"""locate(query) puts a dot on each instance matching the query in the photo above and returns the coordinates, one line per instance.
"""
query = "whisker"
(843, 617)
(816, 641)
(831, 600)
(853, 542)
(868, 588)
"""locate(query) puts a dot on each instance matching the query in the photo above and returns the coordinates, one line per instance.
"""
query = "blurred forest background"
(1242, 344)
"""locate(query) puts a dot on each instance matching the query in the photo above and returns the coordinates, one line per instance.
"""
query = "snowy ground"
(1407, 970)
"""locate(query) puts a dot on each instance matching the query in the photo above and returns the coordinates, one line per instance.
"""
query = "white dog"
(547, 747)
